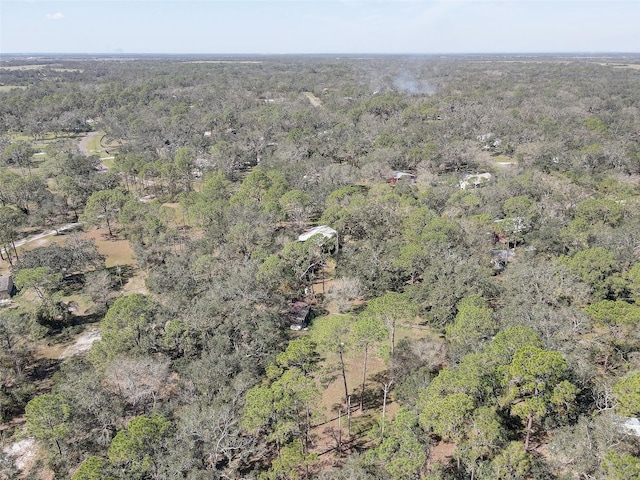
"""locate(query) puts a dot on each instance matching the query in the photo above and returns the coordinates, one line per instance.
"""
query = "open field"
(96, 143)
(632, 66)
(52, 67)
(17, 68)
(116, 251)
(90, 144)
(7, 88)
(45, 139)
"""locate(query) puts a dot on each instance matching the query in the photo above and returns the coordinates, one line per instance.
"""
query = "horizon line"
(124, 54)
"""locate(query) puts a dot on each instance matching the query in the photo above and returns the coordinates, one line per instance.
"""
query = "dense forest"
(471, 309)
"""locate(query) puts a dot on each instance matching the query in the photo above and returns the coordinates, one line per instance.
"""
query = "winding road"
(82, 146)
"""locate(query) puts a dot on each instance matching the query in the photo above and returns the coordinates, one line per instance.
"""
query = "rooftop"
(5, 283)
(323, 230)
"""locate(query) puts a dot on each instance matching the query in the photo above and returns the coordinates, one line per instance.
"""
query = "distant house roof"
(6, 288)
(515, 224)
(299, 314)
(323, 230)
(6, 284)
(501, 258)
(632, 426)
(475, 180)
(402, 176)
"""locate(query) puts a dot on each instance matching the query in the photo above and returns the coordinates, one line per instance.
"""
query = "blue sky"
(319, 26)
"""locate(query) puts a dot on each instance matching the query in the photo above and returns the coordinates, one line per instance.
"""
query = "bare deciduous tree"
(138, 379)
(344, 291)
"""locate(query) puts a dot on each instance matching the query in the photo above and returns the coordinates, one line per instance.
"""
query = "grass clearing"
(8, 88)
(315, 101)
(503, 159)
(117, 252)
(78, 337)
(16, 68)
(52, 67)
(44, 139)
(93, 143)
(174, 213)
(632, 66)
(108, 162)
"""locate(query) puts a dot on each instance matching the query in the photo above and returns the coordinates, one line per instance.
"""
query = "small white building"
(475, 180)
(399, 177)
(631, 426)
(6, 287)
(324, 230)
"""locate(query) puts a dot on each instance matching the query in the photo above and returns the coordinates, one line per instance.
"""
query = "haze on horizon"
(319, 26)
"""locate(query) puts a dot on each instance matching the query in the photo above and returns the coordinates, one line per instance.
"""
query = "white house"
(631, 426)
(323, 230)
(6, 287)
(475, 180)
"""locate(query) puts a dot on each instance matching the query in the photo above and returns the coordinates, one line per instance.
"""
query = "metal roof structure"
(5, 283)
(323, 230)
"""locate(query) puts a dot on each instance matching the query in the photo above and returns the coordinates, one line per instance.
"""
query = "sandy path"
(47, 233)
(82, 343)
(53, 231)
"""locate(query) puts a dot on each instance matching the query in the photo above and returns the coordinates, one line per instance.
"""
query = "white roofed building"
(324, 230)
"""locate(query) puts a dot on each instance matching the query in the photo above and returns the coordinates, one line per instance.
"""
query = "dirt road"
(47, 233)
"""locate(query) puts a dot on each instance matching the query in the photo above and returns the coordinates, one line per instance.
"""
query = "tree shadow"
(373, 397)
(374, 390)
(86, 319)
(42, 369)
(361, 427)
(356, 309)
(72, 283)
(75, 325)
(122, 274)
(60, 328)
